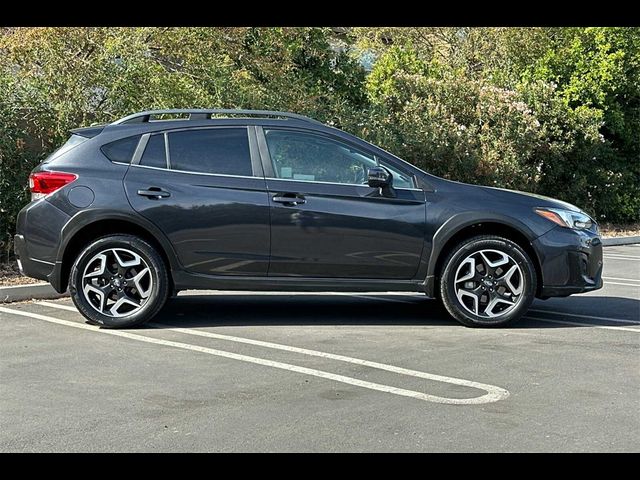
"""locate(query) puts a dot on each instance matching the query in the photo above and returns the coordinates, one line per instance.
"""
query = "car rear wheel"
(488, 281)
(119, 281)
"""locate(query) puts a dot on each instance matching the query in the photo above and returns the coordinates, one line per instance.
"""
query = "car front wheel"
(119, 281)
(487, 281)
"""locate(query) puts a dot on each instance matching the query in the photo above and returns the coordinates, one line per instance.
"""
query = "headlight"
(566, 218)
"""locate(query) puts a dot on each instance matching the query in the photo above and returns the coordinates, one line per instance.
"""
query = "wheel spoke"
(504, 258)
(123, 300)
(101, 267)
(144, 293)
(88, 289)
(506, 279)
(465, 293)
(472, 269)
(495, 301)
(136, 260)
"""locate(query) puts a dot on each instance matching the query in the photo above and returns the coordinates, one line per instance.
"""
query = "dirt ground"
(612, 230)
(10, 275)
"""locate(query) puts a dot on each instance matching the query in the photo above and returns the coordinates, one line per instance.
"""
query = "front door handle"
(289, 199)
(154, 192)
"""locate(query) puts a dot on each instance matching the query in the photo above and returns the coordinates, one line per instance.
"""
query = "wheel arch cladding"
(103, 227)
(493, 227)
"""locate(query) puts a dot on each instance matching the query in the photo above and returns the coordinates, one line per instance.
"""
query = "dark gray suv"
(127, 214)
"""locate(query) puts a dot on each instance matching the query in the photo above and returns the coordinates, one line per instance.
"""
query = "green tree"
(55, 79)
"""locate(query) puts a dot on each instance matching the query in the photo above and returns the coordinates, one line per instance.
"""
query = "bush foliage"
(550, 110)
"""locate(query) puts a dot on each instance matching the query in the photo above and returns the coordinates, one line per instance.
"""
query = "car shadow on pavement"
(254, 310)
(298, 309)
(595, 305)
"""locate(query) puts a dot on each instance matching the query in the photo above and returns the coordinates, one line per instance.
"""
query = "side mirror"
(379, 177)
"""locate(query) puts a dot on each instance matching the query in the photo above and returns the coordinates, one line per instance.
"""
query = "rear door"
(204, 188)
(325, 219)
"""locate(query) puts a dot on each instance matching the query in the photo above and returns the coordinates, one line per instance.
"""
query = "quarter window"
(215, 150)
(121, 150)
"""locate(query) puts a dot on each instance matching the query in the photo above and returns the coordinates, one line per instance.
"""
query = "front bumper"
(570, 260)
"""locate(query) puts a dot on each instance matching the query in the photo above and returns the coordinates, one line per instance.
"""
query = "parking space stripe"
(621, 257)
(623, 279)
(582, 324)
(606, 319)
(490, 389)
(609, 282)
(494, 395)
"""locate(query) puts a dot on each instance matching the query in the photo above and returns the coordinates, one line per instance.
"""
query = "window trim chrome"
(336, 183)
(198, 173)
(139, 151)
(167, 157)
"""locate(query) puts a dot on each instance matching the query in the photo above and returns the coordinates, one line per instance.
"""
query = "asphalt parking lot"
(232, 371)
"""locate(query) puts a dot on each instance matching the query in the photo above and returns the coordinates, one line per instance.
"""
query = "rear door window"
(213, 150)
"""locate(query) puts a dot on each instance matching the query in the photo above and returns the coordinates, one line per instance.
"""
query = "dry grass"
(616, 230)
(10, 275)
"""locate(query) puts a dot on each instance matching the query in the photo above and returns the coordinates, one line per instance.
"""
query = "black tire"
(152, 303)
(469, 247)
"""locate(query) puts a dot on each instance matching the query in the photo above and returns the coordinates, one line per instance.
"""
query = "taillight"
(44, 183)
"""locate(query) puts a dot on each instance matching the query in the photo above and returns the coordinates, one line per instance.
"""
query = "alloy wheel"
(117, 282)
(489, 283)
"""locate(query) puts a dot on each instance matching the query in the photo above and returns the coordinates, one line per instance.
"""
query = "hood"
(532, 199)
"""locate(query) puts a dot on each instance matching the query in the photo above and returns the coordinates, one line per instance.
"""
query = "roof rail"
(203, 114)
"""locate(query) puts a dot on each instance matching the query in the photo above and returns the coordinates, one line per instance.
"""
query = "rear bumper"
(571, 262)
(30, 267)
(36, 243)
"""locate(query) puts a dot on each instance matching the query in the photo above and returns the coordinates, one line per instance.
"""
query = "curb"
(612, 241)
(19, 293)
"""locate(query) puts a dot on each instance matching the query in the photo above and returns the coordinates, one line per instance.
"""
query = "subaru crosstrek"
(127, 214)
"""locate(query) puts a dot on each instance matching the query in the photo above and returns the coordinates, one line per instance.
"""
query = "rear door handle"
(289, 199)
(154, 192)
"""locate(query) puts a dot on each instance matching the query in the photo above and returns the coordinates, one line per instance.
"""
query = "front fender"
(457, 223)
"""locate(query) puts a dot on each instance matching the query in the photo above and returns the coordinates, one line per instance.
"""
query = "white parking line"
(582, 324)
(609, 282)
(623, 279)
(607, 319)
(621, 257)
(493, 393)
(490, 389)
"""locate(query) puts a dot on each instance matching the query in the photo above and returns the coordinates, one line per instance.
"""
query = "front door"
(327, 222)
(202, 189)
